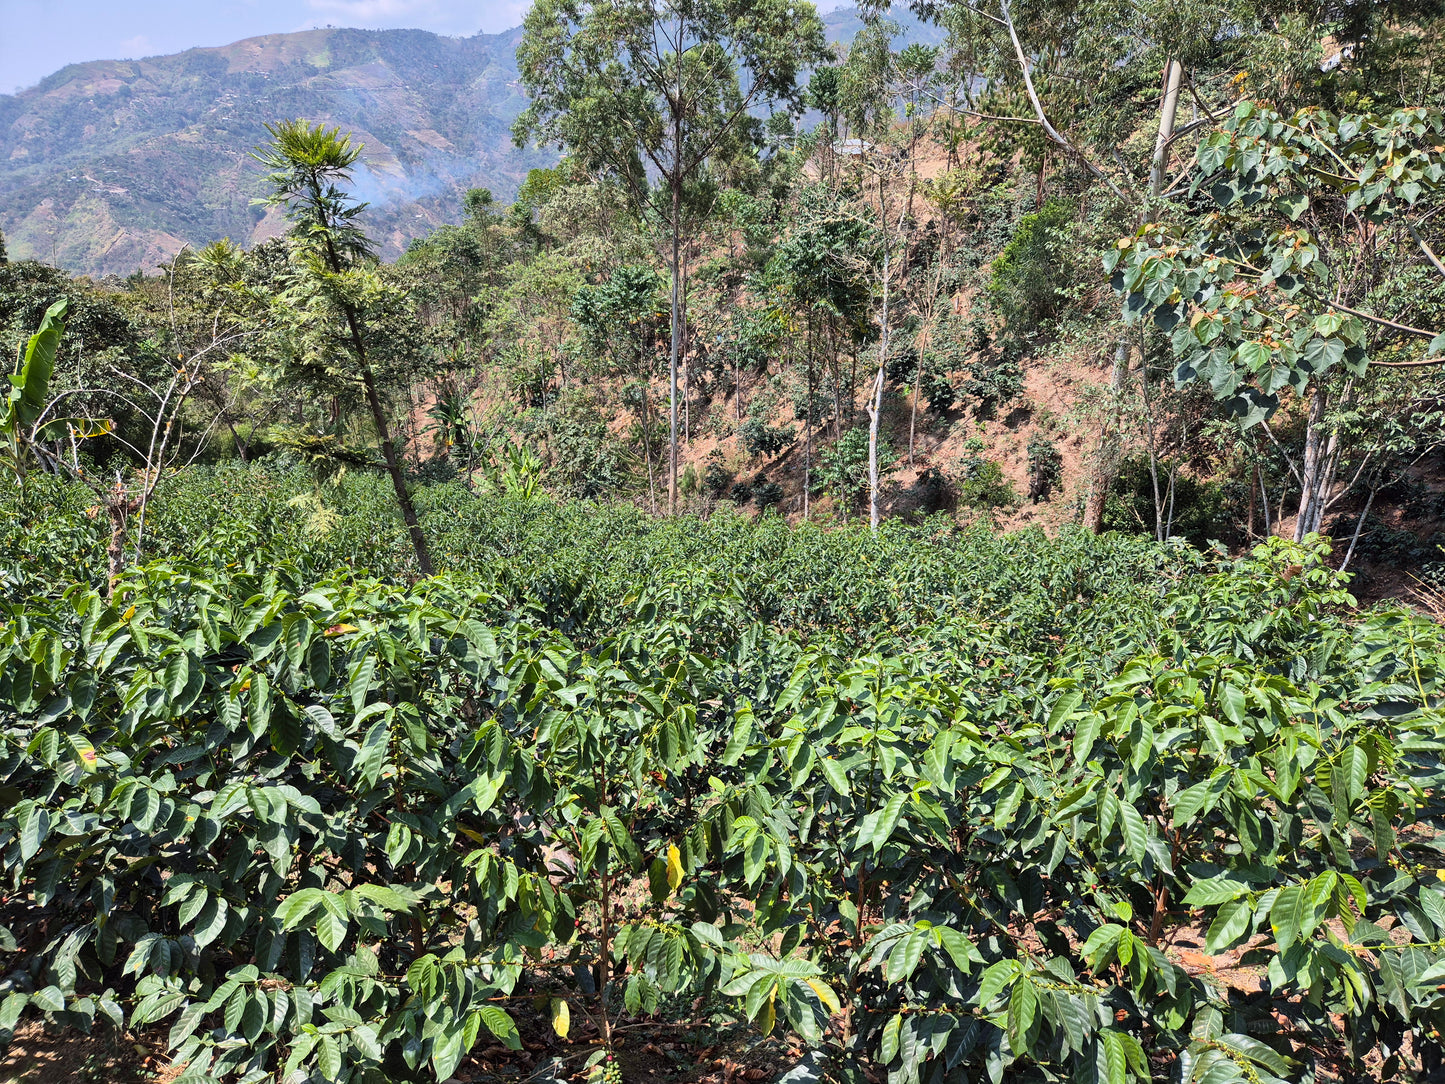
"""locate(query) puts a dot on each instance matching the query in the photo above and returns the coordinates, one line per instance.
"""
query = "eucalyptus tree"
(658, 94)
(868, 86)
(308, 164)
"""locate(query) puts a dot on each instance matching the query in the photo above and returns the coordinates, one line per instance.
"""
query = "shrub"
(1045, 467)
(716, 478)
(766, 493)
(959, 361)
(993, 381)
(981, 482)
(760, 438)
(1039, 262)
(843, 467)
(1201, 509)
(587, 461)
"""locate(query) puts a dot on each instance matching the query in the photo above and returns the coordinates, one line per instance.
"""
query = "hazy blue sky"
(38, 37)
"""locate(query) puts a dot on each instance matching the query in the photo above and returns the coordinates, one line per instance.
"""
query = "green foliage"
(586, 460)
(1027, 279)
(308, 164)
(843, 467)
(815, 273)
(613, 315)
(1245, 296)
(960, 361)
(309, 818)
(760, 438)
(23, 424)
(634, 85)
(764, 492)
(1193, 509)
(981, 483)
(1046, 466)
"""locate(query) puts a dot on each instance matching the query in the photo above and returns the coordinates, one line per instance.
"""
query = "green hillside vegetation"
(880, 555)
(110, 167)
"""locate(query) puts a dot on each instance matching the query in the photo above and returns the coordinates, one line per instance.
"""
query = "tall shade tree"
(655, 94)
(308, 164)
(1074, 81)
(1315, 217)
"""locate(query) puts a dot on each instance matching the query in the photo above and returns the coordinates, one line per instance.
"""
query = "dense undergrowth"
(940, 802)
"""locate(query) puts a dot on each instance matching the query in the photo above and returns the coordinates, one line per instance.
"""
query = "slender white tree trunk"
(1107, 464)
(676, 316)
(875, 401)
(1359, 526)
(808, 427)
(1168, 109)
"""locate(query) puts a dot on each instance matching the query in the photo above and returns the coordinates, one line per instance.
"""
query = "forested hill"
(113, 165)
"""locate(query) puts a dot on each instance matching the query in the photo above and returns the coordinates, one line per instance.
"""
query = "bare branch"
(1289, 461)
(1406, 328)
(1049, 129)
(1425, 248)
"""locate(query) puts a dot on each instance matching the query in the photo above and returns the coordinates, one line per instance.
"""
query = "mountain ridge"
(111, 166)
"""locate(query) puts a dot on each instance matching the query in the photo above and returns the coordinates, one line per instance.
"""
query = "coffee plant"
(944, 805)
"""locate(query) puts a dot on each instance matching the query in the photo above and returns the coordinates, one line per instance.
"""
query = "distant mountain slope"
(113, 165)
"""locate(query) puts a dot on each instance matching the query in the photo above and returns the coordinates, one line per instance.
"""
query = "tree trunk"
(808, 426)
(1264, 500)
(236, 439)
(1107, 464)
(1359, 526)
(852, 394)
(875, 401)
(685, 354)
(1107, 461)
(1168, 109)
(647, 449)
(383, 430)
(117, 510)
(1249, 515)
(393, 468)
(676, 182)
(913, 414)
(738, 387)
(1313, 470)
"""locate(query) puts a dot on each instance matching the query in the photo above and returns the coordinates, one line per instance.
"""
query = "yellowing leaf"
(561, 1017)
(674, 866)
(769, 1016)
(825, 995)
(339, 630)
(128, 614)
